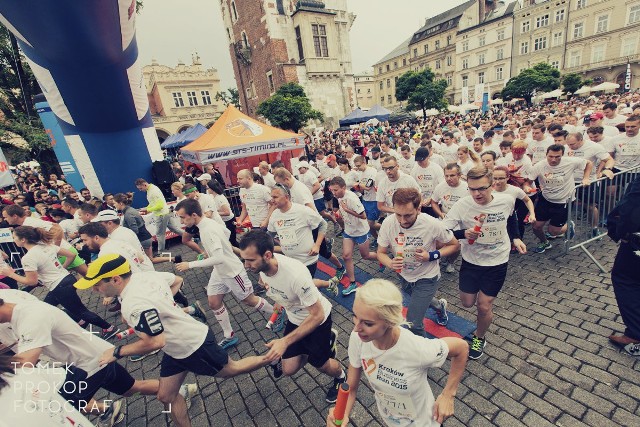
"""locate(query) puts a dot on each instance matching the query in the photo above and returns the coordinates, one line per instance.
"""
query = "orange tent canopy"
(235, 135)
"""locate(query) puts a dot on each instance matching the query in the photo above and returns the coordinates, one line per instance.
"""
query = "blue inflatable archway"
(85, 58)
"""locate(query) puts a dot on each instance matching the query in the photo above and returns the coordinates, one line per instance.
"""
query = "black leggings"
(67, 296)
(231, 226)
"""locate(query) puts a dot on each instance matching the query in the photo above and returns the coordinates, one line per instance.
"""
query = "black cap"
(376, 149)
(422, 153)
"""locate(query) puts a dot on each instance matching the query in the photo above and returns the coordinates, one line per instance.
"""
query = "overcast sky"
(169, 31)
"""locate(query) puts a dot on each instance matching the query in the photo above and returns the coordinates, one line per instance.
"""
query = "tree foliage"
(421, 91)
(231, 96)
(541, 77)
(289, 108)
(17, 113)
(573, 81)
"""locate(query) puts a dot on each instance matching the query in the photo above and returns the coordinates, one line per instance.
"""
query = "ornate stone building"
(365, 90)
(603, 38)
(275, 42)
(181, 96)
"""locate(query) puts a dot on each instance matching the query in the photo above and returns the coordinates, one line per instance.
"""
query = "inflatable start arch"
(85, 58)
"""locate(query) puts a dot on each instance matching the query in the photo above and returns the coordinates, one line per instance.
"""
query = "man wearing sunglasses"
(486, 228)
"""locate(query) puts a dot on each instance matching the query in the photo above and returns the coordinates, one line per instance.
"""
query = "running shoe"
(476, 349)
(278, 325)
(200, 257)
(332, 393)
(112, 415)
(571, 230)
(596, 232)
(550, 236)
(188, 391)
(277, 369)
(542, 247)
(632, 349)
(449, 268)
(227, 342)
(374, 245)
(333, 286)
(140, 357)
(339, 233)
(350, 289)
(442, 318)
(107, 334)
(381, 268)
(333, 342)
(199, 312)
(340, 273)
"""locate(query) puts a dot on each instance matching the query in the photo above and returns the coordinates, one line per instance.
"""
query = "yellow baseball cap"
(104, 267)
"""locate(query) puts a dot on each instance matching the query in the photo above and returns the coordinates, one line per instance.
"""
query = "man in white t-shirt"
(537, 146)
(428, 175)
(310, 180)
(448, 192)
(367, 183)
(388, 185)
(385, 147)
(611, 118)
(356, 229)
(406, 160)
(44, 330)
(417, 241)
(301, 235)
(485, 253)
(449, 148)
(148, 308)
(602, 162)
(308, 336)
(626, 147)
(267, 177)
(228, 274)
(299, 192)
(255, 200)
(158, 207)
(555, 176)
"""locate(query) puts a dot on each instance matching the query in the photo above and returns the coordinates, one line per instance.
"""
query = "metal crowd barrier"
(589, 210)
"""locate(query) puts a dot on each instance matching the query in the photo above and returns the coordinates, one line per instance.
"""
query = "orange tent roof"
(236, 135)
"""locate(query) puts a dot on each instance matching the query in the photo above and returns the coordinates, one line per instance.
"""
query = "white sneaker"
(449, 268)
(188, 391)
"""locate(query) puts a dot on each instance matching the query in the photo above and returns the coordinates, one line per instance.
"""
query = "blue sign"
(59, 145)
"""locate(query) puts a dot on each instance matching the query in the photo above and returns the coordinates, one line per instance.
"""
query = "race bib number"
(491, 235)
(409, 262)
(554, 181)
(630, 150)
(396, 407)
(287, 239)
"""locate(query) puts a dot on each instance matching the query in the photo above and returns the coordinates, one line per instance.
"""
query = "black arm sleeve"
(458, 234)
(512, 226)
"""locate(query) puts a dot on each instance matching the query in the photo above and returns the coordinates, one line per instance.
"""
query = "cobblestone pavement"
(547, 362)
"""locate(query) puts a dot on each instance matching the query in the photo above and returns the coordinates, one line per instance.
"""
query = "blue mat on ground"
(456, 327)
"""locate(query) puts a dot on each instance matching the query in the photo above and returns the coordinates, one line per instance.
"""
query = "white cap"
(303, 164)
(204, 176)
(106, 215)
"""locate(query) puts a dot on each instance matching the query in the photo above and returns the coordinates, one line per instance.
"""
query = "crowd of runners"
(411, 197)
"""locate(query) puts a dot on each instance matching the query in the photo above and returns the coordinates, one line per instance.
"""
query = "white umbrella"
(497, 101)
(583, 90)
(468, 107)
(432, 112)
(605, 86)
(453, 108)
(553, 94)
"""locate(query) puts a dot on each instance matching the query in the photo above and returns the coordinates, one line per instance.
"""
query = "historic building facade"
(181, 96)
(307, 42)
(365, 90)
(603, 37)
(483, 52)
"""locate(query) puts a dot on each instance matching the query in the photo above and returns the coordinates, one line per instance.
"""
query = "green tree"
(231, 96)
(289, 108)
(17, 113)
(421, 91)
(541, 77)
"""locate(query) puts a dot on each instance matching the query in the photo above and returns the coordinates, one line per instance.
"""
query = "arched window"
(234, 11)
(245, 40)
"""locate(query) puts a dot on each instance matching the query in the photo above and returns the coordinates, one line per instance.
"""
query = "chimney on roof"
(485, 8)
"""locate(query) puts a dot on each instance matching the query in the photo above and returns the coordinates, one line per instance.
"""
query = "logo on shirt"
(369, 366)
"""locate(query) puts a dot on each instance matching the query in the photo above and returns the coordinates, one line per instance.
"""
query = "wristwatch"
(116, 352)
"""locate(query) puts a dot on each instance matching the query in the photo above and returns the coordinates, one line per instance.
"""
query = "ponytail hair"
(33, 235)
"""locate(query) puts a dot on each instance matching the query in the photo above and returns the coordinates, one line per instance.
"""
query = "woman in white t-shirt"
(176, 190)
(215, 189)
(524, 204)
(467, 159)
(396, 362)
(42, 267)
